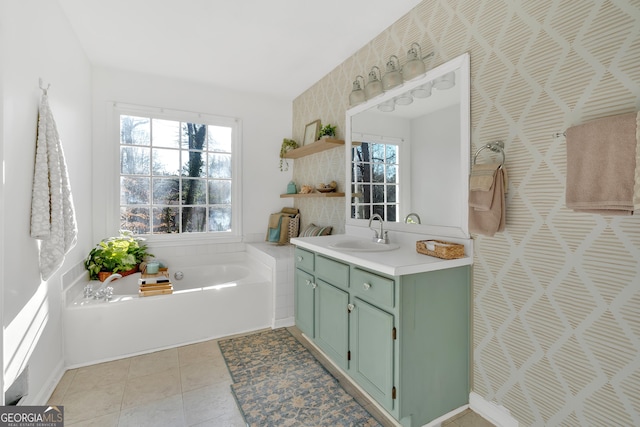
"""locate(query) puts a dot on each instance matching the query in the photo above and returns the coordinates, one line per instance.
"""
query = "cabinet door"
(332, 327)
(305, 302)
(372, 351)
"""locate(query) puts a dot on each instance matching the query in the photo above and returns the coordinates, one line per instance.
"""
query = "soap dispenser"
(291, 188)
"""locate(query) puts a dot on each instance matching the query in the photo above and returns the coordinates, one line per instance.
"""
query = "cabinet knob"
(299, 258)
(308, 282)
(350, 307)
(366, 286)
(313, 285)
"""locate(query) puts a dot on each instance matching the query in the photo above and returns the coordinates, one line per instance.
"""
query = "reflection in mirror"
(409, 153)
(375, 180)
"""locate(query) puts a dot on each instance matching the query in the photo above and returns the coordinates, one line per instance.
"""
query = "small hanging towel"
(53, 218)
(487, 207)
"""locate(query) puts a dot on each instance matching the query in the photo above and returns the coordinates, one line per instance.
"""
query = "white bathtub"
(211, 301)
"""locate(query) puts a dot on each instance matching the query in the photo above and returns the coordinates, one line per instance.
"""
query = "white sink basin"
(363, 246)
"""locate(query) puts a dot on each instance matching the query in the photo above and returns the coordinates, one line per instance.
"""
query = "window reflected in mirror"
(374, 180)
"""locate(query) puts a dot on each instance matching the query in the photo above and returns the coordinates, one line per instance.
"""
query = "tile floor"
(183, 386)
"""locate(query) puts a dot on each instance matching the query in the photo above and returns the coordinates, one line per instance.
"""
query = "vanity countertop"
(397, 262)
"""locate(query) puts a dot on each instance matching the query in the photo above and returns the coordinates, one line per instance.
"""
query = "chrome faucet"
(412, 214)
(105, 291)
(381, 236)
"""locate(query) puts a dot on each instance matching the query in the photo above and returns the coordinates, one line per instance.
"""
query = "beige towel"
(601, 164)
(493, 220)
(482, 199)
(636, 188)
(482, 176)
(274, 220)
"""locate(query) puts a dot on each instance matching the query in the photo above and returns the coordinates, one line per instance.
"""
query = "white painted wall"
(3, 39)
(37, 41)
(265, 121)
(435, 146)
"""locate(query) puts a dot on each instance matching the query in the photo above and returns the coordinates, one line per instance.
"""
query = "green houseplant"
(287, 144)
(328, 131)
(119, 254)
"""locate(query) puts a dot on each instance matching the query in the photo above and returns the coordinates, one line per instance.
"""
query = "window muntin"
(176, 176)
(374, 180)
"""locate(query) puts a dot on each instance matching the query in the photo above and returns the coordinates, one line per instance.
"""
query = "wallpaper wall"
(557, 294)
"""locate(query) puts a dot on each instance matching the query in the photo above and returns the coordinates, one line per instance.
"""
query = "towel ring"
(496, 147)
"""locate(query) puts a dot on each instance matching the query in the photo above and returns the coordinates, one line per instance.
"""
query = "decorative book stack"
(155, 284)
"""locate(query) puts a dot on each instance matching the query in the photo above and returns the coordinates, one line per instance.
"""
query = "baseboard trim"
(284, 323)
(438, 421)
(496, 414)
(43, 395)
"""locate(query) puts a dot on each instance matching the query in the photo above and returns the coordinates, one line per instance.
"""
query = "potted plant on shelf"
(287, 145)
(327, 131)
(121, 254)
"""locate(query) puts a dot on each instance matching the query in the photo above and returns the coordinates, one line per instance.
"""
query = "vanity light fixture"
(387, 106)
(446, 81)
(357, 95)
(373, 87)
(404, 99)
(393, 77)
(415, 65)
(423, 91)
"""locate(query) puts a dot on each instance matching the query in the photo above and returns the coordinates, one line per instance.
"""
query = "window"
(177, 174)
(374, 180)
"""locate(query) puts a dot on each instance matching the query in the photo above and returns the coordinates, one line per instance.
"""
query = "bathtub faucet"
(105, 291)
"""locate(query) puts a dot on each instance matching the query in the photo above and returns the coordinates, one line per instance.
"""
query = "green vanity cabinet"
(372, 351)
(304, 301)
(331, 326)
(405, 340)
(304, 290)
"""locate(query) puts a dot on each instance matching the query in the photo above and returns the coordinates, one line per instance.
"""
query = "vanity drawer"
(373, 288)
(334, 272)
(305, 260)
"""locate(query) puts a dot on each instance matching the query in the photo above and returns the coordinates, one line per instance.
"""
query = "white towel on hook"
(53, 218)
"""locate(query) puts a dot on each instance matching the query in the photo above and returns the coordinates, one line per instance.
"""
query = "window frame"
(173, 239)
(402, 183)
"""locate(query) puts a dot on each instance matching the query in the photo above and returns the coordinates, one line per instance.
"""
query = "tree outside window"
(175, 176)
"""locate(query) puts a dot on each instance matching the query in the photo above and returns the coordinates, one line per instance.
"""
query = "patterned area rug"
(277, 382)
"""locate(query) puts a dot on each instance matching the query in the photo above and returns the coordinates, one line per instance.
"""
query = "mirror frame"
(462, 62)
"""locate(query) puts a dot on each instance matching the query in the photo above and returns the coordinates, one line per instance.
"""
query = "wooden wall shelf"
(315, 147)
(316, 194)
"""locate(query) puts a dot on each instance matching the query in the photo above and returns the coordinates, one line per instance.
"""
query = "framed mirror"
(408, 154)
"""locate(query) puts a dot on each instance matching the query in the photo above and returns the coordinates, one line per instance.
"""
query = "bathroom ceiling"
(275, 47)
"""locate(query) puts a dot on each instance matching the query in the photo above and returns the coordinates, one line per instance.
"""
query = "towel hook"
(496, 147)
(44, 89)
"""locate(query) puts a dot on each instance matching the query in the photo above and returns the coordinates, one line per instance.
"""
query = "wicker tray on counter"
(440, 249)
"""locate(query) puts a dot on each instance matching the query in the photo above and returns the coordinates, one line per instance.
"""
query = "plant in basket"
(120, 254)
